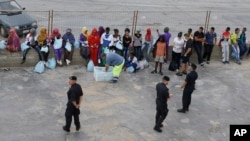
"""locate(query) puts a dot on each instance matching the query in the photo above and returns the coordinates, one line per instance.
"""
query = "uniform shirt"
(74, 93)
(162, 94)
(188, 44)
(113, 59)
(190, 79)
(199, 35)
(160, 49)
(210, 38)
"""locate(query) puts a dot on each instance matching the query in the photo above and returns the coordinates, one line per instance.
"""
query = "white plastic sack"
(58, 43)
(52, 63)
(90, 66)
(77, 44)
(44, 49)
(130, 69)
(2, 44)
(68, 46)
(119, 45)
(106, 50)
(39, 68)
(24, 46)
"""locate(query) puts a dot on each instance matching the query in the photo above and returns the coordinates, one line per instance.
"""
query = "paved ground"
(33, 105)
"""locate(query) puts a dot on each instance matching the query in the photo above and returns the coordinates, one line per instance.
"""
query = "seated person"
(132, 61)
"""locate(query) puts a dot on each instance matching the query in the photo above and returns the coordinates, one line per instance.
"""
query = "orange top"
(161, 49)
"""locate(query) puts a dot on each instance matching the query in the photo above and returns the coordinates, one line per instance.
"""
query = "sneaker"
(67, 62)
(60, 62)
(78, 128)
(227, 62)
(224, 62)
(179, 74)
(153, 71)
(238, 62)
(157, 129)
(160, 73)
(113, 81)
(181, 111)
(65, 129)
(208, 62)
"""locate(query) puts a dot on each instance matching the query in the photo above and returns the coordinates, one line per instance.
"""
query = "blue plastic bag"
(90, 66)
(77, 44)
(130, 69)
(39, 68)
(52, 63)
(2, 44)
(119, 45)
(24, 46)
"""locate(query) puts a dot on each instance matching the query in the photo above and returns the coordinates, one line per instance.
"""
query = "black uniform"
(74, 93)
(188, 90)
(161, 104)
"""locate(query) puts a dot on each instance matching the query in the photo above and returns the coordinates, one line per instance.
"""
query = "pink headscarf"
(55, 33)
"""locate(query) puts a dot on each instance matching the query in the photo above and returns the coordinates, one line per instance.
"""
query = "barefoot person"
(73, 106)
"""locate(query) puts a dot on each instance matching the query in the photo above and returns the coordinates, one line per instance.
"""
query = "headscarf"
(94, 38)
(101, 31)
(148, 35)
(12, 35)
(69, 36)
(13, 39)
(42, 36)
(85, 31)
(55, 33)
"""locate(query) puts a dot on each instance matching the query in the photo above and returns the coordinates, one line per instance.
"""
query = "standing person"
(210, 41)
(31, 42)
(113, 59)
(13, 41)
(84, 46)
(243, 43)
(167, 37)
(234, 45)
(177, 49)
(190, 33)
(126, 43)
(116, 39)
(148, 44)
(188, 45)
(106, 42)
(225, 46)
(161, 103)
(188, 85)
(73, 106)
(42, 40)
(68, 38)
(101, 30)
(198, 40)
(94, 42)
(137, 43)
(56, 43)
(160, 54)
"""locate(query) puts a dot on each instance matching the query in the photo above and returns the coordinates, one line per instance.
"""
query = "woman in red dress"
(94, 42)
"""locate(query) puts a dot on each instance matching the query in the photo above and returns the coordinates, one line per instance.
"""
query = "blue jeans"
(125, 53)
(235, 52)
(198, 49)
(25, 52)
(137, 50)
(147, 46)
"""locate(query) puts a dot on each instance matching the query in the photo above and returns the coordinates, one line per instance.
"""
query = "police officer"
(188, 86)
(161, 103)
(73, 106)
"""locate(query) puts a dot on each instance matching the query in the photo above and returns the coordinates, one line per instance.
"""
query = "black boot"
(65, 129)
(181, 110)
(157, 129)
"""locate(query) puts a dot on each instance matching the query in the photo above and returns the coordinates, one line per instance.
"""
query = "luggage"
(172, 66)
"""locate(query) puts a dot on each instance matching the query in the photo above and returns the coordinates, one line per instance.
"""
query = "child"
(160, 54)
(132, 61)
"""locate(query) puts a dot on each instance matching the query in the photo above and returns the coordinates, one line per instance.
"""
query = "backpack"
(172, 66)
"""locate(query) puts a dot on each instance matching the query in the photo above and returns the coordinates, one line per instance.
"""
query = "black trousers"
(207, 51)
(186, 98)
(45, 56)
(25, 52)
(161, 114)
(176, 57)
(72, 111)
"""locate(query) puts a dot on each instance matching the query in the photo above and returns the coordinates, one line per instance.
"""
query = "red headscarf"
(55, 33)
(94, 38)
(148, 35)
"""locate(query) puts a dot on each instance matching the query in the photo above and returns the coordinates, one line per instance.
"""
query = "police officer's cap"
(73, 78)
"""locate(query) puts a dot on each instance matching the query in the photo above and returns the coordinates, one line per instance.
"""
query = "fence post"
(49, 23)
(208, 19)
(205, 27)
(133, 24)
(136, 18)
(51, 20)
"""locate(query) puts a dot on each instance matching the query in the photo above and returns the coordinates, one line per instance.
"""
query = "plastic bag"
(68, 46)
(106, 50)
(90, 66)
(24, 46)
(77, 44)
(2, 44)
(39, 68)
(119, 45)
(44, 49)
(130, 69)
(57, 43)
(52, 63)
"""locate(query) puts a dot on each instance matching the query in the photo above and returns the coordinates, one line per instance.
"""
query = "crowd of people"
(131, 47)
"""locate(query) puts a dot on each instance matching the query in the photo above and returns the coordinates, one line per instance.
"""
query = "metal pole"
(136, 17)
(206, 22)
(208, 19)
(133, 24)
(49, 23)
